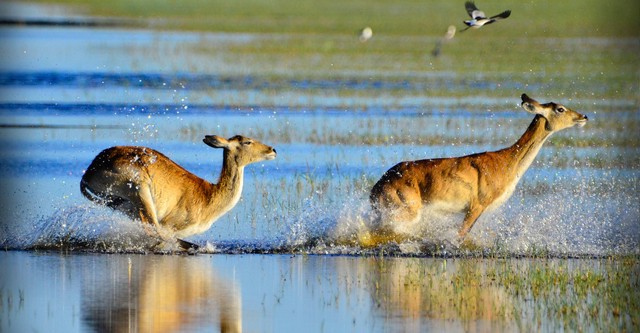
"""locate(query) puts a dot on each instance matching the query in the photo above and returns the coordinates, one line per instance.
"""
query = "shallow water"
(131, 292)
(312, 188)
(66, 94)
(335, 137)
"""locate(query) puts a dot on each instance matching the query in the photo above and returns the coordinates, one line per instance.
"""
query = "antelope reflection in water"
(160, 294)
(422, 294)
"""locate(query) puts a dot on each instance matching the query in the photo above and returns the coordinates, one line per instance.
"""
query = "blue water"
(275, 263)
(307, 192)
(221, 293)
(68, 93)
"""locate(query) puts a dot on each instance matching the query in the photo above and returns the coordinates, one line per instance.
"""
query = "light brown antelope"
(469, 184)
(170, 201)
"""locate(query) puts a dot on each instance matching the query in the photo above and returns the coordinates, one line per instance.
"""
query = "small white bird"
(478, 18)
(451, 32)
(365, 34)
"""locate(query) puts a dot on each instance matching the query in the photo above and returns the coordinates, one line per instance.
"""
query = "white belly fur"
(505, 195)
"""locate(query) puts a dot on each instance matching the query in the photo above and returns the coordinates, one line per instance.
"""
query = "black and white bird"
(478, 18)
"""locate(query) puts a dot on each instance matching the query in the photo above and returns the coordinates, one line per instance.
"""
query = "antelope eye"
(560, 109)
(247, 143)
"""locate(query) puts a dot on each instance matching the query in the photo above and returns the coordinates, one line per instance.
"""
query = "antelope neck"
(524, 151)
(231, 174)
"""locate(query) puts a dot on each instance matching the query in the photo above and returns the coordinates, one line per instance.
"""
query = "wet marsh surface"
(561, 253)
(133, 292)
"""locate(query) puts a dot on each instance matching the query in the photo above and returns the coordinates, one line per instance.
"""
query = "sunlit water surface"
(316, 191)
(66, 94)
(57, 292)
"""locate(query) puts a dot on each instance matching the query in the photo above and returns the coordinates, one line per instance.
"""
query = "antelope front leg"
(164, 241)
(149, 218)
(147, 224)
(470, 218)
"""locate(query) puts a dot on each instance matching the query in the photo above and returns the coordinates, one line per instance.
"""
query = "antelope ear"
(215, 141)
(529, 104)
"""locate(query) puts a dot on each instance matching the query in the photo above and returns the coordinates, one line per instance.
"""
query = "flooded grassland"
(132, 292)
(561, 253)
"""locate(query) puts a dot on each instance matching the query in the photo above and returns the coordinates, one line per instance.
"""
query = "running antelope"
(170, 201)
(469, 184)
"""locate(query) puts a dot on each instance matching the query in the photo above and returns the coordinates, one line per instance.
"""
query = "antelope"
(469, 184)
(171, 202)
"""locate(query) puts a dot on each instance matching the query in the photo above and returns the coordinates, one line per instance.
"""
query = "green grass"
(545, 18)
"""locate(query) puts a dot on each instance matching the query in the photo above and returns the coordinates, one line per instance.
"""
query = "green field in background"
(540, 18)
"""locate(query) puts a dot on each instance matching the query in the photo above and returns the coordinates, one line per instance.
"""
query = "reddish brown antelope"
(469, 184)
(169, 200)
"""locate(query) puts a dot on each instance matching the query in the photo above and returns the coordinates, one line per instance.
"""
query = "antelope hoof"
(188, 246)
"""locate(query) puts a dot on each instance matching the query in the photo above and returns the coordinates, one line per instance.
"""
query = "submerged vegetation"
(524, 294)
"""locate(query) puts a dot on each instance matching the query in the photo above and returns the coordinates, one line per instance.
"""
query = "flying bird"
(451, 31)
(478, 18)
(365, 34)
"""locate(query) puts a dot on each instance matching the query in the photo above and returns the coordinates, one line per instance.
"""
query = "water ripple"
(191, 81)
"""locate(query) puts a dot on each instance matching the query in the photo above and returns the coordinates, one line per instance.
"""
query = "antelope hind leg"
(393, 225)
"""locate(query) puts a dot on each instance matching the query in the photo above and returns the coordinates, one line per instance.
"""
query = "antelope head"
(558, 116)
(242, 149)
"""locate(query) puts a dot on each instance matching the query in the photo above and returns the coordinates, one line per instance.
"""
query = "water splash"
(585, 216)
(588, 218)
(83, 227)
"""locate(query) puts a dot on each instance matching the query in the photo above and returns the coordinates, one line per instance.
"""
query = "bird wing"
(478, 15)
(502, 15)
(470, 7)
(472, 10)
